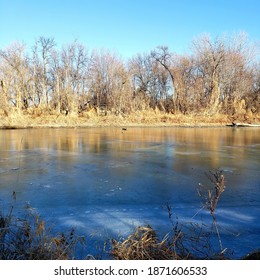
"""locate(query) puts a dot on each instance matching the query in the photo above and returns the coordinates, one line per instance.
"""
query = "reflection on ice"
(187, 153)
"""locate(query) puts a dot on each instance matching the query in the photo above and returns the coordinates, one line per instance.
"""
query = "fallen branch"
(243, 125)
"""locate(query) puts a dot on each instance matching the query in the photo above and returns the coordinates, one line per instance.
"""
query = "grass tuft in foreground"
(27, 239)
(143, 244)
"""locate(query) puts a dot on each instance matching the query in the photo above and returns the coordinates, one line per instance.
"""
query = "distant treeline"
(220, 75)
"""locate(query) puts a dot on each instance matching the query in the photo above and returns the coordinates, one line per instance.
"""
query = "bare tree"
(107, 79)
(56, 76)
(3, 98)
(16, 75)
(74, 68)
(141, 71)
(185, 84)
(210, 56)
(165, 58)
(150, 81)
(43, 49)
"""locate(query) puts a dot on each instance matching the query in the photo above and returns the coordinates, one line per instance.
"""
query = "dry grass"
(212, 196)
(140, 118)
(28, 239)
(143, 244)
(185, 242)
(147, 117)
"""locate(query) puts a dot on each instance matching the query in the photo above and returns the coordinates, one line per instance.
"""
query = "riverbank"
(141, 118)
(29, 238)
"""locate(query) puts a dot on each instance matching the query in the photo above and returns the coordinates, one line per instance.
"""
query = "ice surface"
(105, 183)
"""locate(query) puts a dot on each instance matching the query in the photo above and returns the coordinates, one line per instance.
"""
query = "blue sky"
(126, 26)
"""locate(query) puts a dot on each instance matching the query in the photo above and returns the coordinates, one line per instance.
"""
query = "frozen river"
(106, 181)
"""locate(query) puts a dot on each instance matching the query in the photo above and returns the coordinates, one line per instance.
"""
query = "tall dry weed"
(212, 196)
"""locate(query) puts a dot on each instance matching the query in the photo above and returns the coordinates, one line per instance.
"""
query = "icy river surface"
(104, 182)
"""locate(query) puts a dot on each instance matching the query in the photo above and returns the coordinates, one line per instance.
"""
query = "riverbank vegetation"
(28, 237)
(216, 83)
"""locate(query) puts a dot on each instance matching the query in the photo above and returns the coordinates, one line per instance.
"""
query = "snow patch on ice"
(234, 215)
(73, 223)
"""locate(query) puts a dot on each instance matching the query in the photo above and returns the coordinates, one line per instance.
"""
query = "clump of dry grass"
(185, 243)
(15, 120)
(28, 239)
(181, 243)
(143, 244)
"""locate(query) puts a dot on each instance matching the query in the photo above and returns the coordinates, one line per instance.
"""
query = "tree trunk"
(215, 95)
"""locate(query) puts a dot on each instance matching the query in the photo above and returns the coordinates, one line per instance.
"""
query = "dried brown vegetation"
(27, 238)
(212, 197)
(181, 243)
(143, 244)
(218, 82)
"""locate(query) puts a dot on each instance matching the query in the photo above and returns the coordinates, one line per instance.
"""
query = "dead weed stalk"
(212, 197)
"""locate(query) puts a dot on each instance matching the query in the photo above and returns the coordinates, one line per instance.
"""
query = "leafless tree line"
(220, 75)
